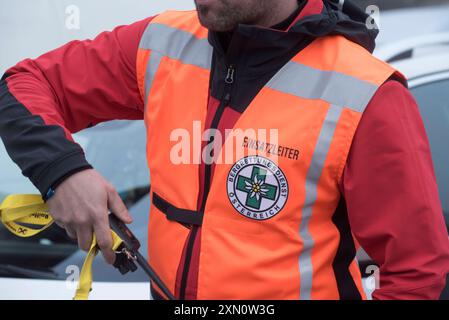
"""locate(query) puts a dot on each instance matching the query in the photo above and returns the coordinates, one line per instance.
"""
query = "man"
(351, 163)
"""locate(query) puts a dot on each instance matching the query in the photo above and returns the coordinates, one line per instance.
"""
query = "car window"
(117, 150)
(433, 101)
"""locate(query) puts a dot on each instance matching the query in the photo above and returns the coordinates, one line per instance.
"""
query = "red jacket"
(389, 187)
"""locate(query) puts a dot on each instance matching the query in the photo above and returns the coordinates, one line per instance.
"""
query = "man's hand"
(80, 206)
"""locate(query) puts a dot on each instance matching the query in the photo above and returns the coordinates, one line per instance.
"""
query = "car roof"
(408, 34)
(399, 24)
(414, 46)
(424, 65)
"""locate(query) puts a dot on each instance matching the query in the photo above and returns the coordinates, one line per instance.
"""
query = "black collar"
(224, 38)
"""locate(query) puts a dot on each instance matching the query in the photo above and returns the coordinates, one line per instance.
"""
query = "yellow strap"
(85, 281)
(21, 212)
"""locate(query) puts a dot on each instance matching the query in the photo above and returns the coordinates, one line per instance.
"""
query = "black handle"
(132, 244)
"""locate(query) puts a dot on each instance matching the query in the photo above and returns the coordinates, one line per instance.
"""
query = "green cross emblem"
(256, 188)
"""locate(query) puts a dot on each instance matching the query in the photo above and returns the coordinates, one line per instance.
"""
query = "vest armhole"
(399, 77)
(395, 76)
(141, 67)
(344, 157)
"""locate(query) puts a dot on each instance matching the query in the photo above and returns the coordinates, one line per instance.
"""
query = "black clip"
(125, 260)
(127, 255)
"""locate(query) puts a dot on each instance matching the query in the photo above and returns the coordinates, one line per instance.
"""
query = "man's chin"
(205, 18)
(212, 23)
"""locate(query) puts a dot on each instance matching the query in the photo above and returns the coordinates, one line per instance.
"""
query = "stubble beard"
(227, 18)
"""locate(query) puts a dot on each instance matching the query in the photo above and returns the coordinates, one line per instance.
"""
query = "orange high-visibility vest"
(267, 230)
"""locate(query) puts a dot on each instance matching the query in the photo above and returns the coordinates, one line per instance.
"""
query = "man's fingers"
(84, 234)
(71, 232)
(59, 224)
(116, 205)
(104, 240)
(81, 206)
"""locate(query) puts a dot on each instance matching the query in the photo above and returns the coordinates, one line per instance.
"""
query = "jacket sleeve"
(392, 198)
(81, 84)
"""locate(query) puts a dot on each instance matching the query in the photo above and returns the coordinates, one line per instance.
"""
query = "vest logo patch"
(257, 188)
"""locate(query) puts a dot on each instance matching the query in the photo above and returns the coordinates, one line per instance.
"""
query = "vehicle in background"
(415, 47)
(49, 258)
(399, 24)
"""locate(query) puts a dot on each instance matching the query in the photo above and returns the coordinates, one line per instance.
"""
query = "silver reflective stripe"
(152, 66)
(333, 87)
(177, 44)
(313, 176)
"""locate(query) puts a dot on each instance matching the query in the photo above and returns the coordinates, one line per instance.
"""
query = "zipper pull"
(230, 76)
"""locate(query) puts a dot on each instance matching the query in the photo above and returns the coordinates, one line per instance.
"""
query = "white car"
(396, 25)
(44, 266)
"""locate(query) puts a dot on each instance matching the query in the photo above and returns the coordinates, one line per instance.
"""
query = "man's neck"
(285, 24)
(279, 13)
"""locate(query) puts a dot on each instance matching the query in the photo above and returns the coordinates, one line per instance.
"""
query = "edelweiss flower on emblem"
(256, 187)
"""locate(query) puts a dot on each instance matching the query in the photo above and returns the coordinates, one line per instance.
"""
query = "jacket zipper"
(226, 98)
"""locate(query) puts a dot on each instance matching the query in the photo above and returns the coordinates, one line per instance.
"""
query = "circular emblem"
(257, 188)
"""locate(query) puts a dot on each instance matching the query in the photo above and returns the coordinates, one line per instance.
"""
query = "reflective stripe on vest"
(305, 82)
(324, 91)
(313, 175)
(330, 86)
(163, 40)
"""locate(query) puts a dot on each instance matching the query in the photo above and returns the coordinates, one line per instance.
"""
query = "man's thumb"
(116, 205)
